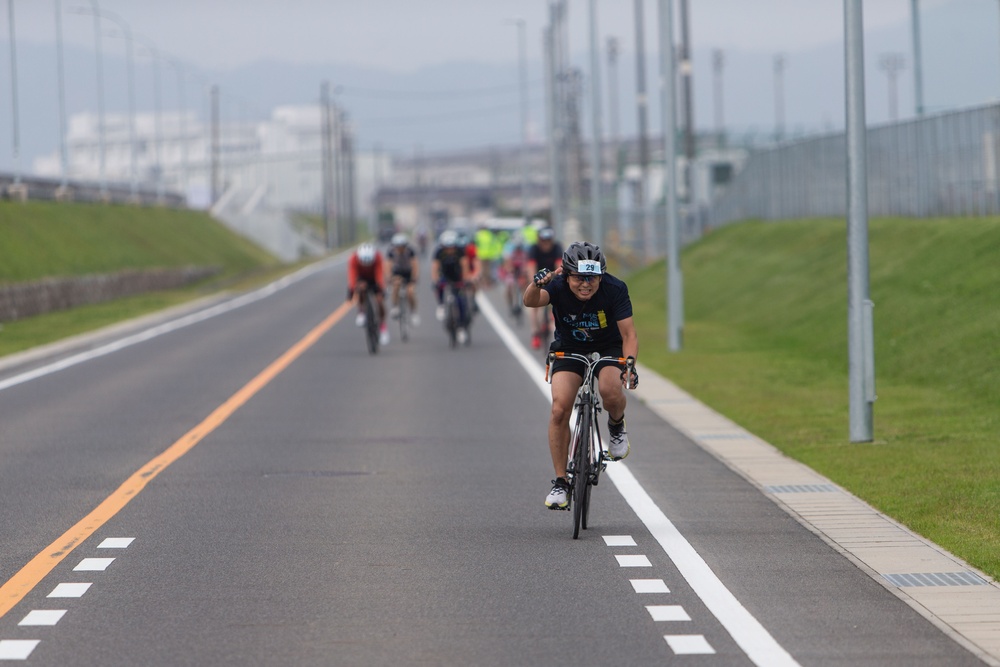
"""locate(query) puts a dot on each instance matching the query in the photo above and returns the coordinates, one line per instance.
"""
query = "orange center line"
(29, 576)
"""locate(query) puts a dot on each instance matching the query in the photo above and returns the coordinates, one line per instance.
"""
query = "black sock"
(616, 425)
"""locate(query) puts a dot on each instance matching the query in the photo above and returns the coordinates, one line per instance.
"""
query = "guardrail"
(36, 188)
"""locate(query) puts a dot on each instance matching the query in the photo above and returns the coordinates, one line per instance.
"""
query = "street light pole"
(522, 69)
(918, 73)
(61, 81)
(668, 67)
(15, 118)
(861, 362)
(101, 127)
(597, 228)
(130, 64)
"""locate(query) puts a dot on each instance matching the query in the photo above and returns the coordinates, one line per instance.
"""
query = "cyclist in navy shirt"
(593, 313)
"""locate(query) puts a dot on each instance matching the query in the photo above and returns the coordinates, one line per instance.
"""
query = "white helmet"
(366, 253)
(399, 239)
(449, 237)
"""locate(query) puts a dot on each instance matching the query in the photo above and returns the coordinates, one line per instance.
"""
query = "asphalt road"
(348, 509)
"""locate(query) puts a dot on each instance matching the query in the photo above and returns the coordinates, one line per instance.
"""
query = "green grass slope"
(41, 239)
(45, 239)
(765, 343)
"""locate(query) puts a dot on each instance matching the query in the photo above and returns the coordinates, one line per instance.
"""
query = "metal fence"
(942, 165)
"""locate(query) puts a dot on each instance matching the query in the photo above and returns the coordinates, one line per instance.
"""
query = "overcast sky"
(415, 47)
(402, 35)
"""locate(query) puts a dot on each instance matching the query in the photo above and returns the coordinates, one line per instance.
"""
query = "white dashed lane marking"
(17, 649)
(667, 612)
(43, 617)
(20, 649)
(649, 586)
(116, 543)
(689, 645)
(69, 590)
(619, 540)
(633, 561)
(93, 565)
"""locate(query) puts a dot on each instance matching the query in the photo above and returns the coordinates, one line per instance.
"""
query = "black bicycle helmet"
(586, 253)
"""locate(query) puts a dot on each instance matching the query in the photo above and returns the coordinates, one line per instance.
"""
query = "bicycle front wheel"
(581, 473)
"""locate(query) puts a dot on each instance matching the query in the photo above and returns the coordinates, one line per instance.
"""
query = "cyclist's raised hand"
(544, 277)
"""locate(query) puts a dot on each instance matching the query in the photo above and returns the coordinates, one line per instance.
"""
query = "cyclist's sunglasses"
(580, 278)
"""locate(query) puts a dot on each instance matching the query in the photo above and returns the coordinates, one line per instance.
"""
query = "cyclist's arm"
(535, 296)
(414, 268)
(630, 339)
(435, 271)
(352, 275)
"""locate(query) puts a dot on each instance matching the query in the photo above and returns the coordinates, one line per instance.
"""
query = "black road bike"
(371, 320)
(453, 313)
(588, 457)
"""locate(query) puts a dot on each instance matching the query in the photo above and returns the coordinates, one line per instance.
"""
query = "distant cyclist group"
(591, 314)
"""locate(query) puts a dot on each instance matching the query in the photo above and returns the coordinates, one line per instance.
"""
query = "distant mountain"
(469, 104)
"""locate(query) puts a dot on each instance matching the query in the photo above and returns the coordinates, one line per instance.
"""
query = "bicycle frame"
(587, 457)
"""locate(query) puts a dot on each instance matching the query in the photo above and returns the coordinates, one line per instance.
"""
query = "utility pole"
(642, 105)
(860, 335)
(779, 97)
(552, 124)
(597, 222)
(918, 73)
(668, 71)
(613, 127)
(216, 188)
(892, 64)
(16, 116)
(718, 62)
(686, 72)
(327, 173)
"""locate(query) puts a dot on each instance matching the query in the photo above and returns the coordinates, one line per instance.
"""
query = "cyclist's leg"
(396, 281)
(565, 384)
(411, 295)
(609, 383)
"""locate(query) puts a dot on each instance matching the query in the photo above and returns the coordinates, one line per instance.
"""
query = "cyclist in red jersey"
(364, 269)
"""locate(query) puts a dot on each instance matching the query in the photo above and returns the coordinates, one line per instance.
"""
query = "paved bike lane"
(765, 525)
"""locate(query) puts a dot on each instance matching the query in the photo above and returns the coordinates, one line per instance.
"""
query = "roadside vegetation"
(44, 239)
(765, 343)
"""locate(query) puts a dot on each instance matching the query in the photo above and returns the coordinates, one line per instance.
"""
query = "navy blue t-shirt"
(592, 325)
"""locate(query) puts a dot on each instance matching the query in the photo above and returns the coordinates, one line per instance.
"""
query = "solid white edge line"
(167, 327)
(745, 630)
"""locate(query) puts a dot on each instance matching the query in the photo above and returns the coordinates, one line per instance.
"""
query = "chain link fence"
(942, 165)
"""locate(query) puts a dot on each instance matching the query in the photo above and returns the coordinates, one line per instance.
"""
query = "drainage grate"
(936, 579)
(802, 488)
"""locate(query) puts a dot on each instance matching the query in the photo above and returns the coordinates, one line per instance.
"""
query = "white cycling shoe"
(618, 445)
(558, 498)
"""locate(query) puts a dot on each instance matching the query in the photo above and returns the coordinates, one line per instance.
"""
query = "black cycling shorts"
(373, 289)
(405, 274)
(574, 366)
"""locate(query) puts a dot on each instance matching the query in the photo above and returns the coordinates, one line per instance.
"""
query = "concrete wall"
(51, 294)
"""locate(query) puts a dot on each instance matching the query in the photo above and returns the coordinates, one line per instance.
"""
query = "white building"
(277, 162)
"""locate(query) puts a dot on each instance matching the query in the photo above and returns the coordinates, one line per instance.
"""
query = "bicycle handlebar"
(591, 360)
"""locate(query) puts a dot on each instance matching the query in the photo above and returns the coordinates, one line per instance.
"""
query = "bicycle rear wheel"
(451, 320)
(581, 474)
(404, 317)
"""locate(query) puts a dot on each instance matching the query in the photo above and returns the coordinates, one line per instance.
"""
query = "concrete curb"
(960, 600)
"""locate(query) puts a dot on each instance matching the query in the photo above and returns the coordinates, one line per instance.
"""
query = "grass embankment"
(42, 239)
(765, 343)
